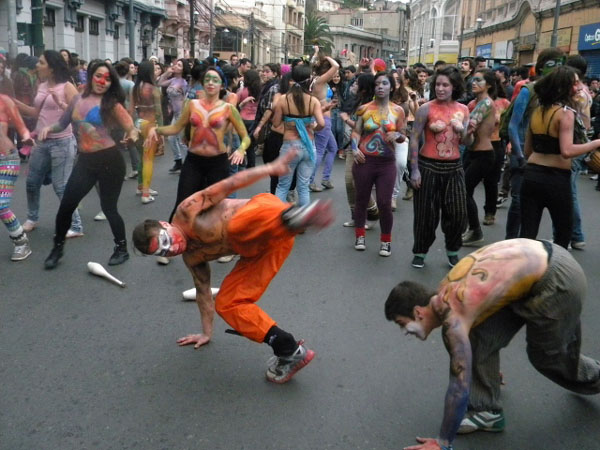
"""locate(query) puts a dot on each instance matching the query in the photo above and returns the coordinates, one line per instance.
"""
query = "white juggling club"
(190, 294)
(97, 269)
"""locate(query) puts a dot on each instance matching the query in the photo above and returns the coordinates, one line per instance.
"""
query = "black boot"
(54, 256)
(120, 255)
(177, 167)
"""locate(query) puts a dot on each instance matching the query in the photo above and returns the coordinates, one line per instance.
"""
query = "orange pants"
(258, 235)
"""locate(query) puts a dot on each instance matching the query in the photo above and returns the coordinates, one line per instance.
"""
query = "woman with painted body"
(436, 169)
(10, 164)
(379, 128)
(479, 160)
(95, 113)
(145, 105)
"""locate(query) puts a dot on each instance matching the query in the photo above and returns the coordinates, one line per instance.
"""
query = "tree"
(316, 32)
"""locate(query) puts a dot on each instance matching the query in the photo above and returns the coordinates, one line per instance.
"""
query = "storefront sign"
(563, 41)
(484, 50)
(589, 37)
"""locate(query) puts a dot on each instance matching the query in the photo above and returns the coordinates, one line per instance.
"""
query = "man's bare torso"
(486, 280)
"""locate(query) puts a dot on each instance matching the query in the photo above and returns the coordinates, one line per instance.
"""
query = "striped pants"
(442, 189)
(9, 171)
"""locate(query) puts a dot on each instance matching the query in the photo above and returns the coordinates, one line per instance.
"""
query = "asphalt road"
(88, 365)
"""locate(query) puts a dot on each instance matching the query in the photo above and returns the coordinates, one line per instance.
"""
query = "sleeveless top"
(539, 125)
(300, 122)
(50, 112)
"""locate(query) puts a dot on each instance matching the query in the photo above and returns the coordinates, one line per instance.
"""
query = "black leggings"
(199, 172)
(479, 165)
(271, 153)
(547, 187)
(106, 167)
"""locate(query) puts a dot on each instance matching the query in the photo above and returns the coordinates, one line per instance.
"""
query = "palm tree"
(316, 32)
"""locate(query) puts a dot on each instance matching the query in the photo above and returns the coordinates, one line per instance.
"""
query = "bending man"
(480, 305)
(207, 225)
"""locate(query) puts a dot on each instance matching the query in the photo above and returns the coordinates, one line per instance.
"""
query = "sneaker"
(594, 177)
(452, 260)
(120, 254)
(150, 191)
(394, 204)
(132, 174)
(349, 224)
(578, 245)
(327, 184)
(100, 216)
(52, 260)
(163, 260)
(489, 219)
(74, 234)
(314, 188)
(385, 249)
(226, 258)
(317, 214)
(283, 368)
(21, 250)
(409, 194)
(501, 200)
(360, 244)
(482, 421)
(418, 262)
(472, 238)
(29, 226)
(147, 199)
(341, 154)
(176, 167)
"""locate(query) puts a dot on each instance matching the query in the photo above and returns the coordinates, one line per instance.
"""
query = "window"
(80, 26)
(94, 27)
(49, 18)
(116, 34)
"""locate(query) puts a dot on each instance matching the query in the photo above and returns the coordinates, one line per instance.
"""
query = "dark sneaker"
(482, 421)
(52, 260)
(360, 244)
(318, 214)
(120, 254)
(473, 238)
(327, 184)
(489, 219)
(578, 245)
(314, 188)
(176, 167)
(501, 200)
(282, 369)
(418, 262)
(385, 249)
(452, 260)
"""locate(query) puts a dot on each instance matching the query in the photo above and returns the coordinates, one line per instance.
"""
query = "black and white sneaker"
(418, 262)
(360, 244)
(385, 249)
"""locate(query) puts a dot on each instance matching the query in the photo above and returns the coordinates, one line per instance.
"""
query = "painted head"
(153, 237)
(449, 84)
(484, 80)
(213, 81)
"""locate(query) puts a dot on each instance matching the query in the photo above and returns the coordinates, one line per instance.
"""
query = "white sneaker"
(163, 260)
(351, 224)
(148, 199)
(151, 192)
(29, 225)
(132, 174)
(73, 234)
(100, 216)
(226, 258)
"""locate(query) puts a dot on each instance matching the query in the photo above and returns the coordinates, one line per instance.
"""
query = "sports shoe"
(501, 200)
(472, 238)
(283, 368)
(29, 225)
(150, 191)
(147, 199)
(120, 254)
(578, 245)
(482, 421)
(73, 234)
(226, 258)
(317, 214)
(314, 188)
(359, 243)
(594, 177)
(21, 250)
(489, 219)
(385, 249)
(100, 216)
(327, 184)
(176, 167)
(349, 224)
(418, 262)
(452, 260)
(409, 194)
(394, 204)
(55, 254)
(163, 260)
(132, 174)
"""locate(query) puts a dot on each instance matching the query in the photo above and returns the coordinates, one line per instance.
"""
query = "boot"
(120, 255)
(54, 256)
(22, 250)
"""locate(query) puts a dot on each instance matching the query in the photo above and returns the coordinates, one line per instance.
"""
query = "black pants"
(271, 153)
(199, 172)
(499, 157)
(250, 151)
(106, 167)
(479, 166)
(547, 187)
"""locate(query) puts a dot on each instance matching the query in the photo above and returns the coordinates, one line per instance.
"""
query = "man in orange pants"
(208, 225)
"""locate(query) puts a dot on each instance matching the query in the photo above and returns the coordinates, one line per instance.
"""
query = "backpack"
(507, 113)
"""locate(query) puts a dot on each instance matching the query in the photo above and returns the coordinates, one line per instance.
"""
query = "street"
(89, 365)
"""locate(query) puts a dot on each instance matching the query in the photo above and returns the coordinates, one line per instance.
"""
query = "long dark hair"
(453, 74)
(390, 79)
(111, 97)
(491, 81)
(366, 88)
(413, 81)
(301, 76)
(145, 74)
(252, 82)
(186, 68)
(60, 69)
(284, 84)
(556, 87)
(400, 93)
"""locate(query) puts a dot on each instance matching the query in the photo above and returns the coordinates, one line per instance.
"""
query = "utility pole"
(192, 30)
(252, 38)
(13, 35)
(131, 31)
(420, 47)
(554, 38)
(460, 38)
(210, 29)
(37, 22)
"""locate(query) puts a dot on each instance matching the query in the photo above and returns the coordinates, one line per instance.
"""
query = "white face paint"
(415, 329)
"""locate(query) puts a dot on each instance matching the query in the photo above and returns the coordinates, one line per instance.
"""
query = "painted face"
(382, 87)
(212, 82)
(423, 77)
(43, 69)
(410, 326)
(479, 83)
(169, 242)
(101, 80)
(443, 88)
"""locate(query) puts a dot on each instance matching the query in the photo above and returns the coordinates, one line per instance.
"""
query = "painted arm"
(156, 94)
(63, 122)
(277, 113)
(15, 118)
(318, 113)
(177, 127)
(123, 118)
(481, 112)
(417, 132)
(359, 157)
(567, 148)
(327, 76)
(517, 122)
(237, 157)
(204, 300)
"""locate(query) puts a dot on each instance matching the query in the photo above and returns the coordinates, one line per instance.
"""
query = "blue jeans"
(178, 148)
(577, 235)
(326, 150)
(337, 128)
(513, 218)
(55, 157)
(303, 166)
